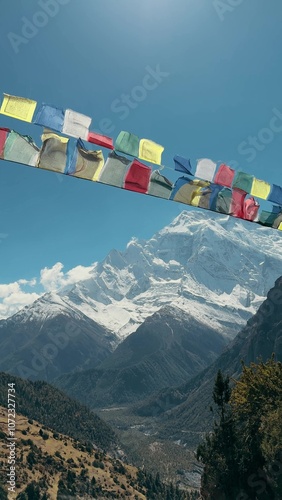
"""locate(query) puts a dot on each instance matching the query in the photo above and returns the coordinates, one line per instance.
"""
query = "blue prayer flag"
(182, 165)
(50, 117)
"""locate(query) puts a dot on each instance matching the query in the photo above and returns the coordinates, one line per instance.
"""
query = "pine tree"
(242, 456)
(32, 492)
(219, 452)
(3, 494)
(257, 402)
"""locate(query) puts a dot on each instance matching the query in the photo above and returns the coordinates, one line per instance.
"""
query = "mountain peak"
(216, 266)
(213, 266)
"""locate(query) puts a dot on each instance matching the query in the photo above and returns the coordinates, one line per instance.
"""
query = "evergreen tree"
(3, 494)
(219, 451)
(32, 492)
(242, 456)
(256, 402)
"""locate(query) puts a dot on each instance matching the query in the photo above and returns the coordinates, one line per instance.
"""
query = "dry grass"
(66, 447)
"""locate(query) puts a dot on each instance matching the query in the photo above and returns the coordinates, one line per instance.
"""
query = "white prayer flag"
(76, 125)
(205, 169)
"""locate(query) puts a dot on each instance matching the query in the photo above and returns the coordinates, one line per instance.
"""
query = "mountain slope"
(56, 466)
(62, 467)
(51, 337)
(218, 268)
(167, 349)
(185, 410)
(42, 402)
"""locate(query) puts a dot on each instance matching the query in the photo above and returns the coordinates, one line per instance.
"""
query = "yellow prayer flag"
(100, 168)
(280, 226)
(150, 151)
(261, 189)
(88, 164)
(50, 135)
(197, 193)
(18, 107)
(195, 200)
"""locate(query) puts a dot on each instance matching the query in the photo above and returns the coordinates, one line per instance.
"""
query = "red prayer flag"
(138, 177)
(224, 176)
(101, 140)
(237, 203)
(3, 136)
(251, 208)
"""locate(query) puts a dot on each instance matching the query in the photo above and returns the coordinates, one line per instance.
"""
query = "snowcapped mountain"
(217, 268)
(168, 349)
(182, 406)
(51, 337)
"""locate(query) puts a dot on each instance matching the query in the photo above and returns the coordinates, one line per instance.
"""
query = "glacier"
(217, 268)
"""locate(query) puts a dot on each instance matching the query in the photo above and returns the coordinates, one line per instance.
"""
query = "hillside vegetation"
(51, 407)
(243, 454)
(50, 465)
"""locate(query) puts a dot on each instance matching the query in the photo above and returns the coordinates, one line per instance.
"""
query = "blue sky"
(221, 79)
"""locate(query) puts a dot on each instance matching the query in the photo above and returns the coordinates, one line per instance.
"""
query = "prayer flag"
(53, 154)
(150, 151)
(237, 203)
(76, 124)
(3, 137)
(267, 218)
(18, 107)
(88, 164)
(100, 140)
(50, 117)
(251, 208)
(127, 143)
(138, 177)
(21, 149)
(185, 189)
(215, 190)
(182, 165)
(275, 195)
(223, 201)
(243, 181)
(260, 189)
(224, 176)
(159, 185)
(277, 221)
(205, 169)
(114, 170)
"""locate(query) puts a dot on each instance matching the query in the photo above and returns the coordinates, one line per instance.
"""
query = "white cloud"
(14, 296)
(78, 273)
(26, 282)
(10, 288)
(20, 298)
(6, 290)
(52, 279)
